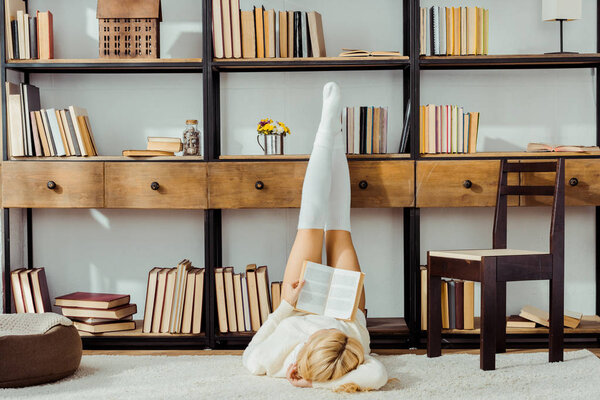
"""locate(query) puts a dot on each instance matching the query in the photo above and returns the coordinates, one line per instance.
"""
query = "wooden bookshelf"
(511, 154)
(306, 157)
(590, 324)
(109, 158)
(100, 65)
(310, 63)
(137, 332)
(538, 61)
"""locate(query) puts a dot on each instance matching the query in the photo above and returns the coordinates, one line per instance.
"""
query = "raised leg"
(556, 339)
(341, 254)
(434, 313)
(501, 317)
(487, 355)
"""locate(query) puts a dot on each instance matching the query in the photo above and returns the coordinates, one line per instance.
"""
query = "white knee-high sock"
(338, 213)
(317, 179)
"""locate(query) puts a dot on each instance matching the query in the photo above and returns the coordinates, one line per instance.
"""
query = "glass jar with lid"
(192, 139)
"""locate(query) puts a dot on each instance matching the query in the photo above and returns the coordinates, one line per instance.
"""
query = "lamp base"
(563, 52)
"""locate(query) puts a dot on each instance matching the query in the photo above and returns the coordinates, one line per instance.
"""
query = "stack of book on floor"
(27, 36)
(157, 146)
(264, 33)
(30, 290)
(243, 300)
(448, 129)
(33, 131)
(174, 299)
(98, 312)
(541, 317)
(458, 303)
(454, 31)
(365, 129)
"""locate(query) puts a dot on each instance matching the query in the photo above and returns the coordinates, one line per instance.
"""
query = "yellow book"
(456, 31)
(479, 49)
(423, 298)
(471, 30)
(486, 30)
(445, 309)
(449, 31)
(469, 304)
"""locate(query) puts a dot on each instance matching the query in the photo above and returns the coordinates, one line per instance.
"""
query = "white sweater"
(276, 345)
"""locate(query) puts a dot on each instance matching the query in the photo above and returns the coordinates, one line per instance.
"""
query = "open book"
(330, 291)
(365, 53)
(534, 147)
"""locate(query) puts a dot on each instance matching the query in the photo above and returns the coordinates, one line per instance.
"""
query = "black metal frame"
(211, 70)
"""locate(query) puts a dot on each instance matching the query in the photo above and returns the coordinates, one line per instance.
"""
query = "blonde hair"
(329, 355)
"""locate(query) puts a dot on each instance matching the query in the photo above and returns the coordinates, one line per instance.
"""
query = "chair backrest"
(557, 227)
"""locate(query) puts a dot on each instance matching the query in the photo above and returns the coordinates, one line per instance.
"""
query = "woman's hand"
(291, 292)
(295, 379)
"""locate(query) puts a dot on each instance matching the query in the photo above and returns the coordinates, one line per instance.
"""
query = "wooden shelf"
(513, 61)
(512, 154)
(109, 158)
(310, 63)
(590, 324)
(289, 157)
(101, 65)
(137, 332)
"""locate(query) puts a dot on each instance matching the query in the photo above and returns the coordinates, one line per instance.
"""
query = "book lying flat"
(330, 291)
(365, 53)
(537, 147)
(105, 327)
(92, 300)
(113, 313)
(515, 321)
(147, 153)
(542, 317)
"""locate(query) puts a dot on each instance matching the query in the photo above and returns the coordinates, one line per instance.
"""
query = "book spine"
(460, 306)
(451, 305)
(363, 130)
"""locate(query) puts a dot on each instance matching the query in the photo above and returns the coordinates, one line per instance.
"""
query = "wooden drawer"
(444, 183)
(181, 185)
(78, 184)
(271, 184)
(234, 184)
(389, 183)
(583, 191)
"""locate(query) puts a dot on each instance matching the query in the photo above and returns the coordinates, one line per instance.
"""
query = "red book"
(113, 313)
(92, 300)
(460, 301)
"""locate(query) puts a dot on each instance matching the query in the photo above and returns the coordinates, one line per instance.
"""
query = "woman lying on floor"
(316, 350)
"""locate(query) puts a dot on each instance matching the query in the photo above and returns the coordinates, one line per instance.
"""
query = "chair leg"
(487, 356)
(556, 339)
(501, 317)
(434, 316)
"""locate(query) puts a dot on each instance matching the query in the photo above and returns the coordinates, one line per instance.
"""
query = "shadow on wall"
(182, 45)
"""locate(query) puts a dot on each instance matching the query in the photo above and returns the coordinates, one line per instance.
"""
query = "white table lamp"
(561, 10)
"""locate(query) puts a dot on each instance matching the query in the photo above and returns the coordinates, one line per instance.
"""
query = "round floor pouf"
(50, 352)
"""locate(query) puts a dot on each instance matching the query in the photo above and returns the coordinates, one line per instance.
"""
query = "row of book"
(458, 303)
(28, 36)
(365, 129)
(448, 129)
(33, 131)
(261, 33)
(30, 290)
(98, 312)
(454, 31)
(243, 300)
(174, 299)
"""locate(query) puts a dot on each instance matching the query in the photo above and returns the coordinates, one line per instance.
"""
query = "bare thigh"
(341, 254)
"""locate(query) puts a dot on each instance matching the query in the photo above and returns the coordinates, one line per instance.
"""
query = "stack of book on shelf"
(458, 303)
(27, 36)
(33, 131)
(98, 312)
(243, 300)
(365, 129)
(174, 299)
(538, 316)
(448, 129)
(30, 290)
(454, 31)
(157, 146)
(264, 33)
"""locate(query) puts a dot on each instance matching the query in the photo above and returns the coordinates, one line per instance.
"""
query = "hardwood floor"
(596, 351)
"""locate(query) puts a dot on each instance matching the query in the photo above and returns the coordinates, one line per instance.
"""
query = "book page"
(342, 294)
(313, 296)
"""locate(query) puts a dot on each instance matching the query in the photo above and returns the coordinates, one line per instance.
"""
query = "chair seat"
(476, 255)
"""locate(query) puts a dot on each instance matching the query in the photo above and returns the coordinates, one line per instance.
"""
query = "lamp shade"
(553, 10)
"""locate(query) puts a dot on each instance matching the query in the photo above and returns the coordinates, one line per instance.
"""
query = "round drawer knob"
(573, 181)
(363, 184)
(467, 184)
(154, 186)
(259, 185)
(51, 185)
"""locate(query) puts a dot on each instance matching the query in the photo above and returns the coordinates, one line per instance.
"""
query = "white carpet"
(518, 376)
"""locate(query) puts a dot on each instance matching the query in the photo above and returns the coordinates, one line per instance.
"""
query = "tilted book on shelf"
(542, 147)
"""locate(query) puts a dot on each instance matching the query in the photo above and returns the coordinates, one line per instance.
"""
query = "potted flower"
(272, 135)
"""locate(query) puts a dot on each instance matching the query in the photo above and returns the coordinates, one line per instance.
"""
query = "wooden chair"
(493, 268)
